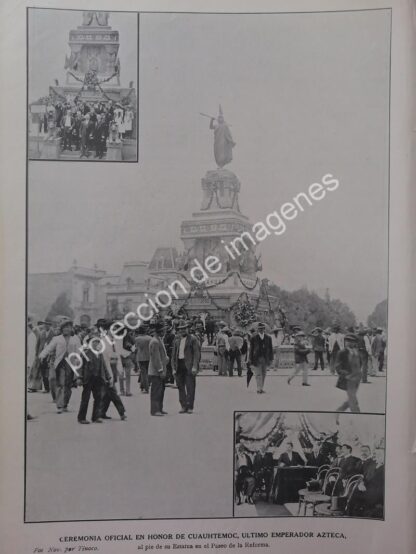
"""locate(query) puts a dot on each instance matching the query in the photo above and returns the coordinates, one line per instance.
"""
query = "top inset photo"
(82, 85)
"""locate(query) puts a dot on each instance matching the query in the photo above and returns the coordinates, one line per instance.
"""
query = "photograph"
(309, 464)
(242, 265)
(82, 89)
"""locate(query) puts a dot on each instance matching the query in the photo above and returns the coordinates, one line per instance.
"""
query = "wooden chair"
(324, 509)
(326, 474)
(311, 499)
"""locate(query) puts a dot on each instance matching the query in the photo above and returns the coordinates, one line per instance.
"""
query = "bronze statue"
(223, 141)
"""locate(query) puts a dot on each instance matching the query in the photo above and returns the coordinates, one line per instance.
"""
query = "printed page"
(207, 263)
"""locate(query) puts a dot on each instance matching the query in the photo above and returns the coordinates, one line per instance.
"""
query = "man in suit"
(100, 136)
(142, 356)
(93, 376)
(84, 133)
(185, 365)
(348, 367)
(157, 369)
(368, 498)
(364, 350)
(368, 464)
(261, 355)
(318, 344)
(378, 346)
(336, 462)
(61, 346)
(290, 457)
(350, 465)
(301, 359)
(245, 481)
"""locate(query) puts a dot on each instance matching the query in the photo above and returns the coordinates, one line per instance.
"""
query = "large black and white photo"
(242, 265)
(82, 85)
(309, 464)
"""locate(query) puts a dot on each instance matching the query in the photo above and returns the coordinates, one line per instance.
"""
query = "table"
(289, 480)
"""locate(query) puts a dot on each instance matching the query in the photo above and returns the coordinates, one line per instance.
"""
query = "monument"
(208, 233)
(92, 66)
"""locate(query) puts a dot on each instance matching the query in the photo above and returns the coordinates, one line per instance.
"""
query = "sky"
(48, 46)
(304, 95)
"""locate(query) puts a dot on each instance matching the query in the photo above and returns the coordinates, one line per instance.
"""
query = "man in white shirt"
(61, 346)
(185, 365)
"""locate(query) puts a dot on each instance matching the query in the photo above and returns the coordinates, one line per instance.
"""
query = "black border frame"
(344, 518)
(104, 162)
(27, 160)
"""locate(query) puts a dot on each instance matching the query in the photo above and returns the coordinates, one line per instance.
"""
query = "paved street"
(123, 469)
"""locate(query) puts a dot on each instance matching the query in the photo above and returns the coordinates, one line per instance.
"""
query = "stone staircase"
(75, 155)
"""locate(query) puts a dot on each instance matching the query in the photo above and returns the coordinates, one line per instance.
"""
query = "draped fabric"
(272, 430)
(223, 145)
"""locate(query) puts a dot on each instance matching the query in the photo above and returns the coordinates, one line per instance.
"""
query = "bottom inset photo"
(314, 464)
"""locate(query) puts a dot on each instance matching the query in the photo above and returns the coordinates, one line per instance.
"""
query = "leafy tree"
(379, 316)
(61, 306)
(308, 309)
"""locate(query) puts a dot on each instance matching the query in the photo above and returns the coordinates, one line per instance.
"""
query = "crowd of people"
(85, 127)
(168, 351)
(256, 474)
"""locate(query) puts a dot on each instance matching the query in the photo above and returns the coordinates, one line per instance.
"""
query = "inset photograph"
(309, 464)
(83, 70)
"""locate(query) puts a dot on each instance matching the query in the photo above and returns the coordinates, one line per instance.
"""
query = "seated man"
(245, 481)
(290, 457)
(368, 498)
(350, 465)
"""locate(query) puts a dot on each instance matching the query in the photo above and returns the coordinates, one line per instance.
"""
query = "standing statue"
(223, 141)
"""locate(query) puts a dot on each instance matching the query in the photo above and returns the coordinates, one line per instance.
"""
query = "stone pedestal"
(114, 152)
(51, 149)
(207, 358)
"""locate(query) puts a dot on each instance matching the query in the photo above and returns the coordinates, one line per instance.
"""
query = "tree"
(61, 306)
(379, 316)
(306, 308)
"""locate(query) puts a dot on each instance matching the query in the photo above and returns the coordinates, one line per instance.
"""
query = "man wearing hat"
(301, 359)
(261, 355)
(46, 335)
(94, 375)
(318, 344)
(142, 356)
(348, 367)
(61, 346)
(335, 344)
(236, 343)
(377, 350)
(364, 350)
(276, 342)
(222, 349)
(158, 360)
(185, 365)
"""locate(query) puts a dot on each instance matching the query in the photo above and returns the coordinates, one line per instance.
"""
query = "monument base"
(51, 149)
(114, 152)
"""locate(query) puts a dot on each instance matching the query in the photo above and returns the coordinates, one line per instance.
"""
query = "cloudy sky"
(305, 95)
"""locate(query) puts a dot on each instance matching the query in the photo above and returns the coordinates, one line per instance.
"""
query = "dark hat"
(157, 326)
(350, 337)
(261, 325)
(65, 323)
(102, 322)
